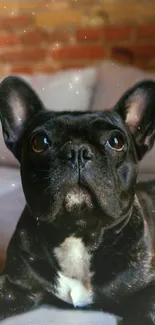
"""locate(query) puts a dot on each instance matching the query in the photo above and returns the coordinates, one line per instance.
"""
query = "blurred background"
(46, 36)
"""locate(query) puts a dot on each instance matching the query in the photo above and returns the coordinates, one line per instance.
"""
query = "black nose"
(77, 154)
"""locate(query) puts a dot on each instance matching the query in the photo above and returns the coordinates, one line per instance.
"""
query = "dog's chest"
(74, 279)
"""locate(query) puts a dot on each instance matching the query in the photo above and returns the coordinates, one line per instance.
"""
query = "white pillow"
(53, 316)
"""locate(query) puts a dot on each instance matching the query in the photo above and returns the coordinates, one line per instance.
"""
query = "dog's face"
(78, 169)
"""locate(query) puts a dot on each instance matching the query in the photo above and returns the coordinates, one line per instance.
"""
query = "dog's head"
(78, 168)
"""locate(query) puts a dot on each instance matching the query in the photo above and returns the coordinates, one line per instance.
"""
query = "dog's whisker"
(47, 188)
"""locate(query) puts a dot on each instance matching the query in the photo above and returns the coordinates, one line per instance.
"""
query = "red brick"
(122, 54)
(7, 39)
(59, 35)
(21, 69)
(45, 68)
(58, 18)
(16, 22)
(139, 50)
(72, 65)
(23, 55)
(151, 64)
(141, 62)
(147, 50)
(117, 33)
(33, 37)
(89, 34)
(145, 31)
(78, 52)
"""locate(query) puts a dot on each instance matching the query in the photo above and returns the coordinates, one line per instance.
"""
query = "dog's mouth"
(83, 202)
(79, 199)
(79, 208)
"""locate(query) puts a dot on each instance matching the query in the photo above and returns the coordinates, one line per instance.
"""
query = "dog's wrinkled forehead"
(78, 123)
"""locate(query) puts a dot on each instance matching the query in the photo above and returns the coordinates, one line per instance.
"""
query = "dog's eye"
(39, 143)
(116, 142)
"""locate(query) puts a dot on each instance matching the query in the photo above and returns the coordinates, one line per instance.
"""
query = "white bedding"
(53, 316)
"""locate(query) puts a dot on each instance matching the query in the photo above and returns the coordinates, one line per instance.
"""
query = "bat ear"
(18, 104)
(137, 108)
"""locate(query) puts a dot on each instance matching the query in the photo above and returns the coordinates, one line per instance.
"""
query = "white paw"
(80, 295)
(73, 291)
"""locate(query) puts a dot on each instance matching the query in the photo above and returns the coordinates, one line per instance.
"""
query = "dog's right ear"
(18, 104)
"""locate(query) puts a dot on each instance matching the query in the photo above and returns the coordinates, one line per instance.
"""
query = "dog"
(86, 238)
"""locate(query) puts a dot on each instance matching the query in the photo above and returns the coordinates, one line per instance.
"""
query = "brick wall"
(39, 36)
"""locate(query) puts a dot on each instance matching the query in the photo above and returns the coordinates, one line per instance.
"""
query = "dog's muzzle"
(77, 198)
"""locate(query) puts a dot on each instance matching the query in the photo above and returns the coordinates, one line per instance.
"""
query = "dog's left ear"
(137, 108)
(18, 104)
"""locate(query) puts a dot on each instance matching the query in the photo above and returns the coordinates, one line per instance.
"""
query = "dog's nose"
(77, 153)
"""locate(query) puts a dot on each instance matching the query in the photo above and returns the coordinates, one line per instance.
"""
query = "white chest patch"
(74, 279)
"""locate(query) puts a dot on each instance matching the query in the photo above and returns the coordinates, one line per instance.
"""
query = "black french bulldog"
(87, 234)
